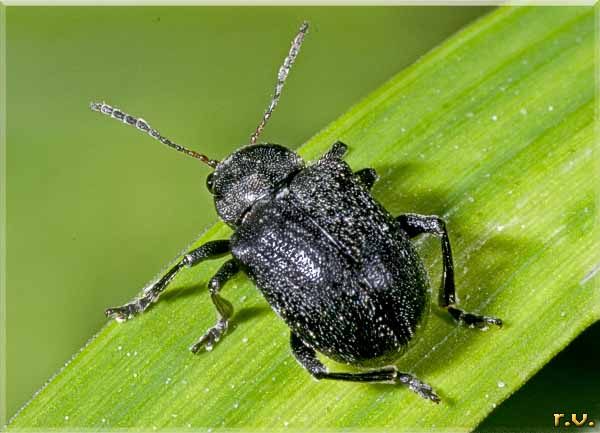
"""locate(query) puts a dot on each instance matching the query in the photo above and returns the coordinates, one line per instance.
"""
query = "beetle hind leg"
(222, 305)
(307, 357)
(413, 225)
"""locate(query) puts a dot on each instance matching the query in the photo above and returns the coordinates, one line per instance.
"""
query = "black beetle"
(330, 260)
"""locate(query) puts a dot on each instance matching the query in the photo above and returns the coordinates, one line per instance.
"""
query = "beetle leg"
(307, 357)
(368, 176)
(337, 151)
(413, 225)
(209, 250)
(223, 306)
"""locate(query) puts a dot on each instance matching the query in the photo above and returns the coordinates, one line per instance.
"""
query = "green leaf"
(494, 131)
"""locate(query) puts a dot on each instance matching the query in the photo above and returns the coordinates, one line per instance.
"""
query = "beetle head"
(249, 174)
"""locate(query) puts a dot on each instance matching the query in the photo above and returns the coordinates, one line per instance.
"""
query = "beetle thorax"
(250, 174)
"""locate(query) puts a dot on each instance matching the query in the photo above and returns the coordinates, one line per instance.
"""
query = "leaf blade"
(449, 136)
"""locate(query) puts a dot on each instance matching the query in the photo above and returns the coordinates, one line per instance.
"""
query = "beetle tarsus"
(420, 388)
(211, 337)
(473, 319)
(139, 305)
(214, 334)
(120, 314)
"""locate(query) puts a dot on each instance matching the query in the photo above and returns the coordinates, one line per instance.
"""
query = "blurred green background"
(95, 209)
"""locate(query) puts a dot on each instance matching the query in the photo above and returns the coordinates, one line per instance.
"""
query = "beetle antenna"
(284, 70)
(143, 126)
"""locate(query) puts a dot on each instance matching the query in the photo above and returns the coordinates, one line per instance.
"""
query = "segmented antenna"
(284, 70)
(143, 126)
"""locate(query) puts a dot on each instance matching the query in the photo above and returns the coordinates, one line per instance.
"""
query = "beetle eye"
(209, 182)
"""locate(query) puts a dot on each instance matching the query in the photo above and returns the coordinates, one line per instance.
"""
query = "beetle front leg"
(223, 306)
(209, 250)
(307, 357)
(413, 225)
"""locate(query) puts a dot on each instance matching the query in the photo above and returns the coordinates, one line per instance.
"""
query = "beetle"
(330, 260)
